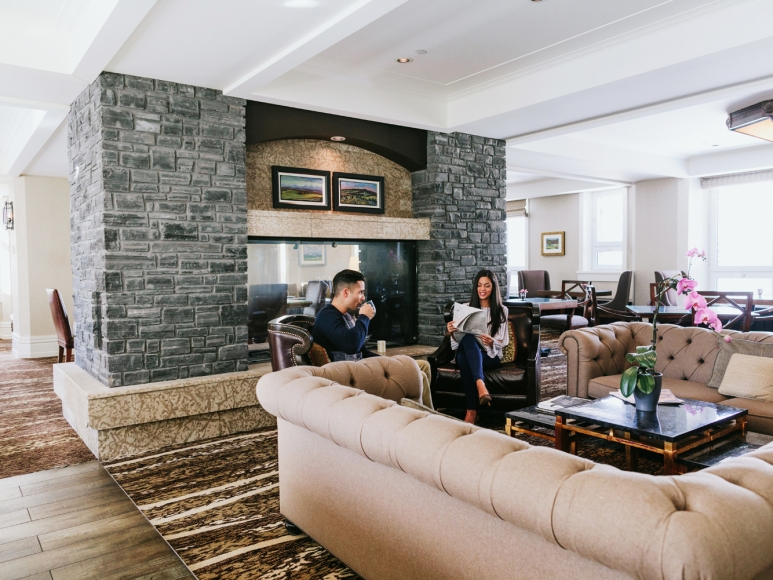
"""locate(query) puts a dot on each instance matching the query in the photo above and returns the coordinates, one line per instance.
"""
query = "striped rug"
(33, 433)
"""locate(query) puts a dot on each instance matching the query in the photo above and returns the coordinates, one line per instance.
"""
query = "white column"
(40, 259)
(6, 296)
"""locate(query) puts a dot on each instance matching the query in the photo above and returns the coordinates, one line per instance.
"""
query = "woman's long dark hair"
(495, 301)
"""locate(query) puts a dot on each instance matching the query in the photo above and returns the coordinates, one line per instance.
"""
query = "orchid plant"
(642, 374)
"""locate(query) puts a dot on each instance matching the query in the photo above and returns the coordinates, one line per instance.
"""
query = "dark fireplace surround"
(159, 225)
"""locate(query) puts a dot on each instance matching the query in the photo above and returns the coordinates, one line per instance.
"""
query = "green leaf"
(645, 360)
(628, 381)
(646, 383)
(641, 349)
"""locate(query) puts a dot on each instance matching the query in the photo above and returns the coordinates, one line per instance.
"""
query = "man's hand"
(486, 339)
(367, 310)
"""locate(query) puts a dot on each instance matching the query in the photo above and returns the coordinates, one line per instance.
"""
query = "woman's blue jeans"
(472, 361)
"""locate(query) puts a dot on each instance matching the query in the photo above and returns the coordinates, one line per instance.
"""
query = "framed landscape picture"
(358, 193)
(312, 255)
(553, 243)
(296, 188)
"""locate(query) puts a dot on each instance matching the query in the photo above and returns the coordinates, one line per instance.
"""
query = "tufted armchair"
(686, 356)
(289, 340)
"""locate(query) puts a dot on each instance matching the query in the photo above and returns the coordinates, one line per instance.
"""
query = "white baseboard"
(5, 330)
(35, 346)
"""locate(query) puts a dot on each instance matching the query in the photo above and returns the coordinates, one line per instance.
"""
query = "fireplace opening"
(287, 276)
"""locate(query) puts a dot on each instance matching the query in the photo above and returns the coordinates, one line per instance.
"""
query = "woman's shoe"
(485, 400)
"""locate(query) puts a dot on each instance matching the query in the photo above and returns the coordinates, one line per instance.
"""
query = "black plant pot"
(648, 402)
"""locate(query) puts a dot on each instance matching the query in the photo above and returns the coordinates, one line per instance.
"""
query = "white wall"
(560, 213)
(6, 296)
(661, 231)
(40, 259)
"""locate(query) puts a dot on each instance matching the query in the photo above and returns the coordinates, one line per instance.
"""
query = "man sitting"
(342, 335)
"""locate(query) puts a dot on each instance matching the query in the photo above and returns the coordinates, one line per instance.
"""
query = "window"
(516, 242)
(742, 238)
(607, 229)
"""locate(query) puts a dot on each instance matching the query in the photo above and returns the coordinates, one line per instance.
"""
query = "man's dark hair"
(344, 279)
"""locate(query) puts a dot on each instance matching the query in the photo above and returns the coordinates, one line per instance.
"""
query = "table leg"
(668, 458)
(508, 424)
(561, 434)
(743, 427)
(631, 455)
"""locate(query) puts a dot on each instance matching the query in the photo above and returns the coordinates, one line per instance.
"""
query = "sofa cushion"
(602, 386)
(508, 352)
(736, 346)
(760, 417)
(750, 377)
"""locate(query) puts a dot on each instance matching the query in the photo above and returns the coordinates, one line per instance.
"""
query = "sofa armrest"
(594, 352)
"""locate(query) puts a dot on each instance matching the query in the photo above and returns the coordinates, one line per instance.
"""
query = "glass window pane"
(516, 242)
(610, 258)
(744, 232)
(746, 285)
(609, 217)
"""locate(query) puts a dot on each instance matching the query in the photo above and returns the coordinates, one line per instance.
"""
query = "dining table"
(557, 293)
(675, 314)
(543, 303)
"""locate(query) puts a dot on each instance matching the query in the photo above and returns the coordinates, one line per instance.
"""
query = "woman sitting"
(475, 356)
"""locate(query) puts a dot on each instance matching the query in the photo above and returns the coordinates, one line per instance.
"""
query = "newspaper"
(469, 320)
(666, 398)
(560, 402)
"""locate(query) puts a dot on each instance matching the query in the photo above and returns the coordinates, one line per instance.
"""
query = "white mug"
(381, 346)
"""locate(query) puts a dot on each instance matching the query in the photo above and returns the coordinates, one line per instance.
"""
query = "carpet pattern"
(33, 433)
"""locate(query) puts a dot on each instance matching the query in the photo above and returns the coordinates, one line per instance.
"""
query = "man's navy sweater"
(333, 334)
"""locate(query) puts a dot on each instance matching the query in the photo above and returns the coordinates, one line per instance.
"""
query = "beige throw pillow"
(736, 346)
(748, 377)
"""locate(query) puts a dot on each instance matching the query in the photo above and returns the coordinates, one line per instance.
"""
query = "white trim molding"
(5, 330)
(35, 346)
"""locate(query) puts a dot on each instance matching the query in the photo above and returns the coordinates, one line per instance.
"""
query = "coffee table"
(671, 431)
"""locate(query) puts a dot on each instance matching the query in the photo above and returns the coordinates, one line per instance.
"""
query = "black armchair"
(289, 340)
(513, 385)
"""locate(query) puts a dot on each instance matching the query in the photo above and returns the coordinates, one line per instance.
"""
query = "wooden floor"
(75, 522)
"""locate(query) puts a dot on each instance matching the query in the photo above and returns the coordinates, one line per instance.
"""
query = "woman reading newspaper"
(478, 334)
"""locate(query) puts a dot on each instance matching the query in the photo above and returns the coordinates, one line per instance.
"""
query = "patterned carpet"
(33, 433)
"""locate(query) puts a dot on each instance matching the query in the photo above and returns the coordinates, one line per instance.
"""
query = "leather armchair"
(533, 281)
(289, 341)
(513, 385)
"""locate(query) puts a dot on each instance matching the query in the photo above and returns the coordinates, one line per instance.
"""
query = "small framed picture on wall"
(312, 255)
(296, 188)
(552, 243)
(358, 193)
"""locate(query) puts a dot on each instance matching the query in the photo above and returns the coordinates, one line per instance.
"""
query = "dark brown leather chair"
(316, 290)
(533, 281)
(266, 301)
(569, 320)
(62, 325)
(512, 386)
(601, 314)
(289, 341)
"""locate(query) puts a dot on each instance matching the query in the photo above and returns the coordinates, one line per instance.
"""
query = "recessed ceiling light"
(421, 52)
(338, 138)
(404, 60)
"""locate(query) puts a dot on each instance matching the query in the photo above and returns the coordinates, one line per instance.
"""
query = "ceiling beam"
(555, 186)
(734, 161)
(329, 33)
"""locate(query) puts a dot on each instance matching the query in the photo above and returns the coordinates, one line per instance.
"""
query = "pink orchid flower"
(727, 338)
(693, 253)
(686, 285)
(708, 317)
(694, 300)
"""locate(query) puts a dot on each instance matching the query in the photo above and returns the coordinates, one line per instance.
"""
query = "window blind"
(517, 208)
(736, 178)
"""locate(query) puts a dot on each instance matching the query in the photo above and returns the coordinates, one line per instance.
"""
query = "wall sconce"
(8, 215)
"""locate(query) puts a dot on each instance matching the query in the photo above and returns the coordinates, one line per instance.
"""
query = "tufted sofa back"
(717, 523)
(392, 378)
(684, 353)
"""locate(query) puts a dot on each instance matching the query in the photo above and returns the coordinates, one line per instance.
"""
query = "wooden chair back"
(743, 301)
(61, 324)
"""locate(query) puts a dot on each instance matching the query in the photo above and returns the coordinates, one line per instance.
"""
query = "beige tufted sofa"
(596, 359)
(397, 493)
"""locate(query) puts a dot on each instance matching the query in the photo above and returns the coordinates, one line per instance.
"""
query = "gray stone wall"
(462, 191)
(158, 230)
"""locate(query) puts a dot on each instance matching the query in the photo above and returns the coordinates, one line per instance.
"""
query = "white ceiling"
(588, 93)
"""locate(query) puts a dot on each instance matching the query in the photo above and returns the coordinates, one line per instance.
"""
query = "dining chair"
(670, 298)
(602, 314)
(569, 320)
(620, 300)
(742, 301)
(533, 281)
(315, 293)
(64, 336)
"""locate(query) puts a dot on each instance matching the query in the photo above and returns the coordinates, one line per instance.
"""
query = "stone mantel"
(276, 224)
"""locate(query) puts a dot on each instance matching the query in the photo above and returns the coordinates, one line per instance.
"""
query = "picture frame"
(311, 255)
(553, 244)
(298, 188)
(358, 193)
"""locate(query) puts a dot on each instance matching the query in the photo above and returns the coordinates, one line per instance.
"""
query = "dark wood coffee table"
(671, 431)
